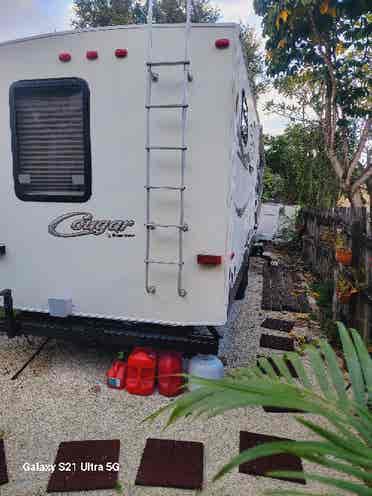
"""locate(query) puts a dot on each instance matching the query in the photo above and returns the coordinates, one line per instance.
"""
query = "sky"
(20, 18)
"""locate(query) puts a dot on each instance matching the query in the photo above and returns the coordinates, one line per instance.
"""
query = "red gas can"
(170, 363)
(141, 371)
(116, 375)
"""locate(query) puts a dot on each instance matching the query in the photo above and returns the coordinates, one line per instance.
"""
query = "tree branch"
(359, 151)
(291, 113)
(336, 164)
(331, 104)
(362, 179)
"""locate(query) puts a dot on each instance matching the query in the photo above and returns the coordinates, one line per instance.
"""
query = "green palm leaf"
(340, 467)
(320, 371)
(352, 487)
(353, 365)
(352, 444)
(268, 368)
(365, 361)
(283, 368)
(334, 370)
(299, 368)
(304, 449)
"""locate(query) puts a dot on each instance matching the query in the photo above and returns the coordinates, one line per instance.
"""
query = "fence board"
(318, 250)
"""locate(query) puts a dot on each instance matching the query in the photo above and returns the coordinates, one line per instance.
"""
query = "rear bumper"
(110, 333)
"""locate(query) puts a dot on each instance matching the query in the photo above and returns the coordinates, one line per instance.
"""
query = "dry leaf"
(324, 7)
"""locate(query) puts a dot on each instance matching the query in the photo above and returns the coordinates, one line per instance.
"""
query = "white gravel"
(55, 400)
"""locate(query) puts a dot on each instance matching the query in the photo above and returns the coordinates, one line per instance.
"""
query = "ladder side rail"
(150, 30)
(187, 28)
(181, 290)
(187, 38)
(149, 289)
(187, 78)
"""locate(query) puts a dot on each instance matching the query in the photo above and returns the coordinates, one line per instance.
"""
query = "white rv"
(130, 177)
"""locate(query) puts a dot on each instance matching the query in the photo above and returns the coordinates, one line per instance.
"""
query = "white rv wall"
(104, 276)
(244, 175)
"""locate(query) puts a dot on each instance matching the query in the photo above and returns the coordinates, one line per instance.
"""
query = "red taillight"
(64, 57)
(92, 55)
(222, 43)
(209, 259)
(121, 53)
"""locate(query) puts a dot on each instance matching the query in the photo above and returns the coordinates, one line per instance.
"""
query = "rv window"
(51, 140)
(244, 123)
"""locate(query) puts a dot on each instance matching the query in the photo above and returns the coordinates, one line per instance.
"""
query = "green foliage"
(320, 51)
(253, 58)
(299, 30)
(298, 157)
(95, 13)
(343, 444)
(274, 186)
(119, 487)
(323, 292)
(324, 295)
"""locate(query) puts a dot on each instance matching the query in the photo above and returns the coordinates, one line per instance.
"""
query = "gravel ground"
(55, 400)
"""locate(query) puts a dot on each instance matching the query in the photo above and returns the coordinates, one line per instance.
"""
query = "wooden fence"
(321, 230)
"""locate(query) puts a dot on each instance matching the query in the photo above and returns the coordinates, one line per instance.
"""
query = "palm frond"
(296, 362)
(334, 371)
(351, 487)
(303, 449)
(353, 365)
(268, 368)
(352, 444)
(283, 368)
(319, 370)
(344, 445)
(364, 360)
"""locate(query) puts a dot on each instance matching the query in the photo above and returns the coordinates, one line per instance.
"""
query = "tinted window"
(51, 140)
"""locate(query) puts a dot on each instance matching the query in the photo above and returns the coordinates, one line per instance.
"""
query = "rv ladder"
(153, 77)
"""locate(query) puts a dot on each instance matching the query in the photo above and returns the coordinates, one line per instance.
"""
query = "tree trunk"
(356, 199)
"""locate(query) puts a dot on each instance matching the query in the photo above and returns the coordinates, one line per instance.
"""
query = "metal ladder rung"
(175, 148)
(177, 62)
(171, 106)
(172, 188)
(161, 262)
(153, 225)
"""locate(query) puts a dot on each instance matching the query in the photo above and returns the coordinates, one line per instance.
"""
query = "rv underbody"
(118, 335)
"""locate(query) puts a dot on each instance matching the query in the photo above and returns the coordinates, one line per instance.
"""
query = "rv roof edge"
(73, 32)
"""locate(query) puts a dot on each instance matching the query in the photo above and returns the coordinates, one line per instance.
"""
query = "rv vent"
(50, 123)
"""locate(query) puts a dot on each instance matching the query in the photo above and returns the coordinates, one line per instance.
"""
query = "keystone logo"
(83, 224)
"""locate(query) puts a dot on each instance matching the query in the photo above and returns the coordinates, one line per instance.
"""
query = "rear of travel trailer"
(130, 182)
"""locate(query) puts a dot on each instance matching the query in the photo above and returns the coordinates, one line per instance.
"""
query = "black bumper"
(110, 333)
